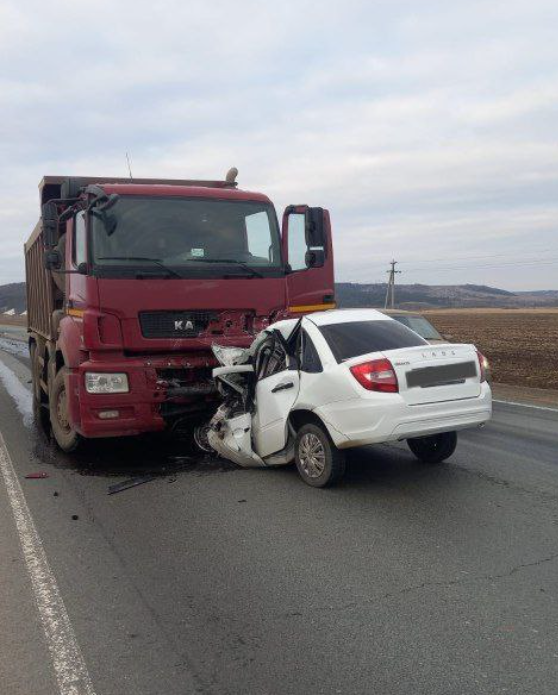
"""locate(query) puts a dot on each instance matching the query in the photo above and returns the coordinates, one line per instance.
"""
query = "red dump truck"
(130, 282)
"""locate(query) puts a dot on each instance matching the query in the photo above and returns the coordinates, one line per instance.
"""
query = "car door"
(277, 389)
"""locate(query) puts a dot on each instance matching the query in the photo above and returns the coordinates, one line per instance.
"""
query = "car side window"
(310, 359)
(79, 253)
(271, 359)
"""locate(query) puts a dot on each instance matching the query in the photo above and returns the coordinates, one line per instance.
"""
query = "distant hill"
(414, 297)
(13, 297)
(418, 297)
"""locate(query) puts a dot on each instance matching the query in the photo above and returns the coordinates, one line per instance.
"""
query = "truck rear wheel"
(66, 437)
(40, 406)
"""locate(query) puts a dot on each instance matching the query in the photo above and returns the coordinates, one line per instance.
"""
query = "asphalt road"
(210, 579)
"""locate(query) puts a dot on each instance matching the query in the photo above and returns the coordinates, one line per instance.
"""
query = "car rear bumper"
(360, 422)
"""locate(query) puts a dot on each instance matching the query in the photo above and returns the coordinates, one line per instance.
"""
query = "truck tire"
(434, 449)
(40, 406)
(318, 460)
(66, 437)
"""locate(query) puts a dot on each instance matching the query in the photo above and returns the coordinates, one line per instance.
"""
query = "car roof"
(400, 312)
(325, 318)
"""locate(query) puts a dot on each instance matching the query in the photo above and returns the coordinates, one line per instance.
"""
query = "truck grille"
(174, 324)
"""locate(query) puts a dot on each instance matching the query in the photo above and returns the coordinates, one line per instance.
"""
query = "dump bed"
(40, 286)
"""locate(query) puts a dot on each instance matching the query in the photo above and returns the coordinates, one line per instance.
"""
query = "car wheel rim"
(311, 454)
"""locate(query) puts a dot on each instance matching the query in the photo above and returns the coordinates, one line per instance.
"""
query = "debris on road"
(36, 476)
(131, 482)
(75, 517)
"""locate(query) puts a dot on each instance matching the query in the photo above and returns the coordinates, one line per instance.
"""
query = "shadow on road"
(158, 455)
(378, 467)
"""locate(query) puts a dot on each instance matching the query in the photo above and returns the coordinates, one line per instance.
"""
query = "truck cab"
(130, 283)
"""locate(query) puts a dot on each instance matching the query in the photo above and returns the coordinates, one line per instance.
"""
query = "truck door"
(308, 249)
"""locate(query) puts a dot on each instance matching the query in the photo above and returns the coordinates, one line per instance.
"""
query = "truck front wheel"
(66, 437)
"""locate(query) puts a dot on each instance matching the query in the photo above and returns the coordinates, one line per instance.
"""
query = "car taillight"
(484, 365)
(377, 375)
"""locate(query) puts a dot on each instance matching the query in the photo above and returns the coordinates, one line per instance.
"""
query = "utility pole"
(390, 292)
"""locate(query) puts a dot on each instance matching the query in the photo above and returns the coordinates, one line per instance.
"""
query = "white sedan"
(311, 388)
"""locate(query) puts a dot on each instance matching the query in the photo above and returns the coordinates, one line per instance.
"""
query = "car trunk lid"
(433, 374)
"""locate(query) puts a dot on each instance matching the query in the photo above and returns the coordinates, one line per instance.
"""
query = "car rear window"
(356, 338)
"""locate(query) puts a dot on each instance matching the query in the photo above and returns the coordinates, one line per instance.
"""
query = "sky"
(428, 129)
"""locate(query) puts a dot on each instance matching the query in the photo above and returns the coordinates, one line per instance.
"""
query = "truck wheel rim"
(312, 455)
(62, 410)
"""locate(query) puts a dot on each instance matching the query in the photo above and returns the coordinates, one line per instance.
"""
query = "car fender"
(297, 414)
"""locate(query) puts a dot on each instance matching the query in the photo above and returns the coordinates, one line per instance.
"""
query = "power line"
(541, 261)
(473, 258)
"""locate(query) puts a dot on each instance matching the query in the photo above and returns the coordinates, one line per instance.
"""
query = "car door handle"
(283, 387)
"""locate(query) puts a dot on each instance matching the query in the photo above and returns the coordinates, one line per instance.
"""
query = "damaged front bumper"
(162, 389)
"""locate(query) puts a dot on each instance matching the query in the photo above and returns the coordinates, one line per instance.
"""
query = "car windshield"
(356, 338)
(419, 325)
(185, 232)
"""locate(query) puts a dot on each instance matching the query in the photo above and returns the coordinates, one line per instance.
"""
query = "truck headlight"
(96, 382)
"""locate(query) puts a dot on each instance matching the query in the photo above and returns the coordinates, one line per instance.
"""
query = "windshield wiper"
(242, 265)
(157, 261)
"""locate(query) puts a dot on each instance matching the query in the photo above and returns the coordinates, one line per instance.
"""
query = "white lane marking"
(22, 396)
(526, 405)
(67, 659)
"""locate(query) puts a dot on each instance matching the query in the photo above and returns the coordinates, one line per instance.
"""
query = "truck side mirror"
(305, 237)
(315, 232)
(50, 225)
(52, 260)
(314, 258)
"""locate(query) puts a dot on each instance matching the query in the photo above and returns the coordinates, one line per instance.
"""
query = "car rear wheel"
(434, 449)
(318, 460)
(66, 437)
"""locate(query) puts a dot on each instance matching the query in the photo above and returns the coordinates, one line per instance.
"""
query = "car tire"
(318, 460)
(434, 449)
(66, 437)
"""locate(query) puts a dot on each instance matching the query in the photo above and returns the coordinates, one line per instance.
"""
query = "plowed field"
(522, 345)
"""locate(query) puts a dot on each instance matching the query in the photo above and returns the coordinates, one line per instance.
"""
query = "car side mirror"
(50, 224)
(447, 336)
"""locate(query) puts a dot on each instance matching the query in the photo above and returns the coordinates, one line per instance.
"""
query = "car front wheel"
(434, 449)
(318, 460)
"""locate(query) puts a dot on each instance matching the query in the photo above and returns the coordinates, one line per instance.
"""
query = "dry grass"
(522, 345)
(13, 320)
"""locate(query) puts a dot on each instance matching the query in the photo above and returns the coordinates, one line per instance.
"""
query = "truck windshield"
(211, 236)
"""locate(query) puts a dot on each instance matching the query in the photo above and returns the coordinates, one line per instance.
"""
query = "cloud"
(428, 130)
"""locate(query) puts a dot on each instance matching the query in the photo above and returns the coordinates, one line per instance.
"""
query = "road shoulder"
(546, 398)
